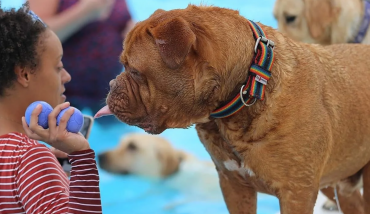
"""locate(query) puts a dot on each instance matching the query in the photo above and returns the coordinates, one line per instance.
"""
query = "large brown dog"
(311, 131)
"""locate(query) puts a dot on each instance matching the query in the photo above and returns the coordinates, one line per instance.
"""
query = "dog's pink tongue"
(103, 112)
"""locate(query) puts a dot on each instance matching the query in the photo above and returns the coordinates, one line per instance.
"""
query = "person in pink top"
(32, 180)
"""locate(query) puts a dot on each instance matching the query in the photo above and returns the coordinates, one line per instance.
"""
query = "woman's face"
(49, 78)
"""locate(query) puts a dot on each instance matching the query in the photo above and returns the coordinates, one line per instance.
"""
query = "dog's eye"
(290, 19)
(134, 72)
(131, 146)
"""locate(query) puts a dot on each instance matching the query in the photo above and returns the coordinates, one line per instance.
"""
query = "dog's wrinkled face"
(141, 154)
(306, 20)
(166, 83)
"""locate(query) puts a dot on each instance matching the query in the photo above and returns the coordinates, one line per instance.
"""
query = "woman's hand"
(56, 136)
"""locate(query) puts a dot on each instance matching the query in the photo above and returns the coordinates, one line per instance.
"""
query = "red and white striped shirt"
(33, 181)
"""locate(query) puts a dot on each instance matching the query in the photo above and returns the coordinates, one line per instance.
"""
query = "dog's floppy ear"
(169, 160)
(320, 14)
(174, 39)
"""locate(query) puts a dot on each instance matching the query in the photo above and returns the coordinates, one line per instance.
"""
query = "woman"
(32, 180)
(92, 32)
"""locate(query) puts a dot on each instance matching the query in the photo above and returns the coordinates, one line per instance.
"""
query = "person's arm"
(127, 20)
(129, 26)
(84, 183)
(44, 188)
(68, 22)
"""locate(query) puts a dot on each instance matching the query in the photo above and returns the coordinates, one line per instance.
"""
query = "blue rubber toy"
(74, 124)
(76, 121)
(43, 116)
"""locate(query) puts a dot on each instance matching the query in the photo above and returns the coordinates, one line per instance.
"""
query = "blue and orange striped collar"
(258, 75)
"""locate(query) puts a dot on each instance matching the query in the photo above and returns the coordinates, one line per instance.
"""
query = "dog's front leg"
(239, 199)
(298, 200)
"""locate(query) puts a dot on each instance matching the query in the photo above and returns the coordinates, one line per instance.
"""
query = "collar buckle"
(265, 40)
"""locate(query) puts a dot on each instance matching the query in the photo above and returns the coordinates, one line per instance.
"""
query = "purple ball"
(43, 116)
(76, 121)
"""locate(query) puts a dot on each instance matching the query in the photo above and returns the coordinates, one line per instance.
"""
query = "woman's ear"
(23, 75)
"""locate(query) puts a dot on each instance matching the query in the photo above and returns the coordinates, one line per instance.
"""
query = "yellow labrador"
(155, 158)
(324, 21)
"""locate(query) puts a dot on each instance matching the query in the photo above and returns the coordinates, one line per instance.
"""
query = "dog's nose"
(112, 83)
(101, 159)
(125, 172)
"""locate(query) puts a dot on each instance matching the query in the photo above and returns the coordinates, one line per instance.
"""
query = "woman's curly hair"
(19, 40)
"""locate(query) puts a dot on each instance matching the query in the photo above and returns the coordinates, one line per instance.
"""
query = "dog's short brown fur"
(312, 130)
(320, 21)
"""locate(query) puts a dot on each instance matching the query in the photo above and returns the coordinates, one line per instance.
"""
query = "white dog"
(154, 157)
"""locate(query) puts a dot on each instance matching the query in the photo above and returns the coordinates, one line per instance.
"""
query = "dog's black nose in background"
(124, 172)
(102, 159)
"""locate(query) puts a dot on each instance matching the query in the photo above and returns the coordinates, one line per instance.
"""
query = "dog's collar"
(259, 74)
(364, 24)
